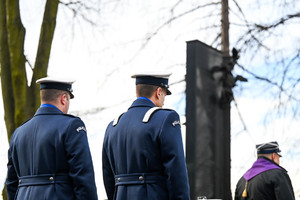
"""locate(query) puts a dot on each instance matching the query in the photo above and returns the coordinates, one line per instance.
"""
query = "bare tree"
(20, 99)
(261, 39)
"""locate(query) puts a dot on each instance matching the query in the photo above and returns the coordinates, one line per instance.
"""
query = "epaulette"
(150, 112)
(116, 120)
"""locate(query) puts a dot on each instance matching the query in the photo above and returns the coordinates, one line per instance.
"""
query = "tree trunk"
(20, 101)
(6, 82)
(16, 35)
(225, 28)
(226, 107)
(6, 78)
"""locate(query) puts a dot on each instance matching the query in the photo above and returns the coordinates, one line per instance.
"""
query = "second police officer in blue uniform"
(143, 156)
(49, 155)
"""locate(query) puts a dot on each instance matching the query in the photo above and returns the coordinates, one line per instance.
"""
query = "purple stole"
(259, 166)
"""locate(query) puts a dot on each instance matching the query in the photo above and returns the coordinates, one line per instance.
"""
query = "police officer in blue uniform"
(143, 156)
(49, 155)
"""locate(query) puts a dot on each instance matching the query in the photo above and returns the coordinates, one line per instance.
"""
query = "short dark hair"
(51, 95)
(144, 90)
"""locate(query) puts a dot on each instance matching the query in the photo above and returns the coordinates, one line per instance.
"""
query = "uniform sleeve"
(283, 187)
(173, 158)
(240, 186)
(108, 176)
(12, 178)
(80, 161)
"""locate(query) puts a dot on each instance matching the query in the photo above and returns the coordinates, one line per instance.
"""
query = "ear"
(156, 94)
(273, 156)
(63, 99)
(159, 91)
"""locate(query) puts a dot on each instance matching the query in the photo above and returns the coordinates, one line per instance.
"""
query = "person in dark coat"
(265, 179)
(49, 155)
(143, 156)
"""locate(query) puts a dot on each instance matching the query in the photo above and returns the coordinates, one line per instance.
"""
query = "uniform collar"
(48, 105)
(48, 110)
(144, 98)
(141, 102)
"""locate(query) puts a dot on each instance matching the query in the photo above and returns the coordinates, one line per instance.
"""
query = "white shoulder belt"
(147, 115)
(150, 112)
(116, 120)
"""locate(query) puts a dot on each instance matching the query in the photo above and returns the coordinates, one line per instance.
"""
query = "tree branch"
(150, 36)
(77, 6)
(43, 52)
(281, 89)
(281, 21)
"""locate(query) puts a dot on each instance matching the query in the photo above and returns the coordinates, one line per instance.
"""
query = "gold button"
(51, 178)
(20, 181)
(119, 179)
(141, 178)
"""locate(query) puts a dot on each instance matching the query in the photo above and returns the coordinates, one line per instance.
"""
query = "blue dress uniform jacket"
(49, 158)
(145, 161)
